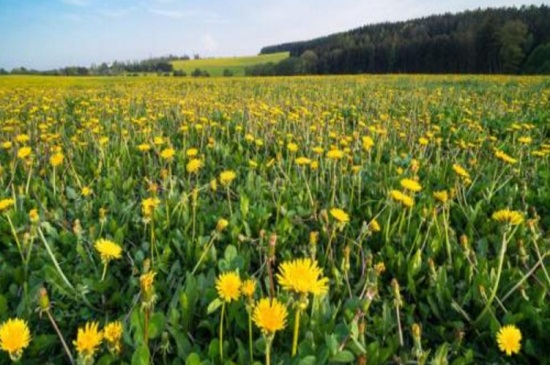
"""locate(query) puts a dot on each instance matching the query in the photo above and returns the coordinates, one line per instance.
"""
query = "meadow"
(309, 220)
(236, 65)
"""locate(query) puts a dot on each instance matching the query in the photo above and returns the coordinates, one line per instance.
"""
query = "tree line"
(489, 41)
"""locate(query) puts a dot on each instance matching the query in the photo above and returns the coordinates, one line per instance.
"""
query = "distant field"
(215, 66)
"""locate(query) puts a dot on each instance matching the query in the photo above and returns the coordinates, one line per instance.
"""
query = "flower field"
(322, 220)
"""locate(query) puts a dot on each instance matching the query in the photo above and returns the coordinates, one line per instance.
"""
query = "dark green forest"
(490, 41)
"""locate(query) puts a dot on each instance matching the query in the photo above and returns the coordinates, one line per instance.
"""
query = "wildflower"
(335, 154)
(339, 215)
(509, 339)
(525, 140)
(248, 287)
(228, 286)
(423, 141)
(302, 161)
(411, 185)
(460, 171)
(504, 157)
(108, 250)
(292, 147)
(302, 276)
(374, 226)
(442, 196)
(508, 216)
(24, 152)
(34, 216)
(368, 143)
(148, 296)
(148, 206)
(192, 152)
(57, 159)
(144, 147)
(194, 166)
(168, 153)
(227, 177)
(112, 333)
(402, 198)
(221, 225)
(146, 281)
(86, 191)
(270, 316)
(6, 203)
(14, 337)
(87, 341)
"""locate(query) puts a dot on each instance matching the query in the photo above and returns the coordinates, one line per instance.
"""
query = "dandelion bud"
(222, 224)
(34, 216)
(43, 299)
(396, 293)
(272, 244)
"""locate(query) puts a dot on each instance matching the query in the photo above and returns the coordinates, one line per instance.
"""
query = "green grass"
(215, 66)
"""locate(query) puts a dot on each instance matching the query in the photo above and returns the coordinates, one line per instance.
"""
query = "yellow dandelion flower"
(460, 171)
(14, 337)
(248, 287)
(57, 159)
(335, 154)
(24, 152)
(112, 333)
(168, 153)
(270, 315)
(147, 280)
(194, 166)
(374, 226)
(300, 161)
(88, 340)
(402, 198)
(6, 203)
(192, 152)
(222, 224)
(86, 191)
(442, 196)
(228, 286)
(339, 215)
(302, 276)
(525, 140)
(148, 206)
(509, 340)
(108, 249)
(34, 216)
(6, 145)
(368, 143)
(292, 147)
(504, 157)
(227, 177)
(512, 217)
(411, 185)
(144, 147)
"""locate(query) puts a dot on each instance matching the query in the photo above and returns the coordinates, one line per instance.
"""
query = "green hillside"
(215, 66)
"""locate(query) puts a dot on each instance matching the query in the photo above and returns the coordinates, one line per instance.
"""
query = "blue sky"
(45, 34)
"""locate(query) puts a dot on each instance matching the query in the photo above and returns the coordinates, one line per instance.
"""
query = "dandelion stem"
(65, 347)
(221, 332)
(205, 252)
(268, 343)
(104, 271)
(502, 254)
(296, 330)
(250, 348)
